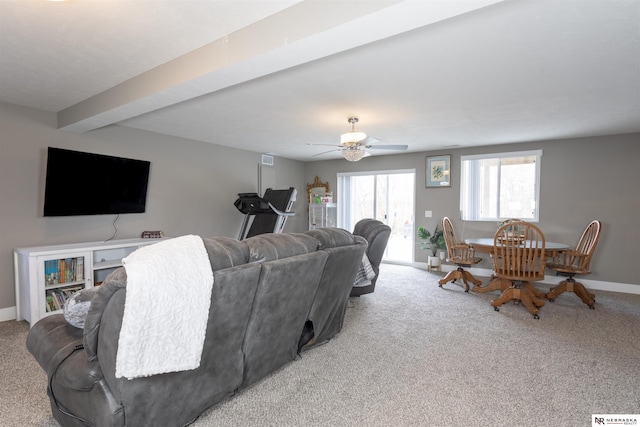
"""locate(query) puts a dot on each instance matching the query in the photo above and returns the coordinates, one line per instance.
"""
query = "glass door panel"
(387, 197)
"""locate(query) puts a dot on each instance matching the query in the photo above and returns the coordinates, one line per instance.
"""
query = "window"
(494, 187)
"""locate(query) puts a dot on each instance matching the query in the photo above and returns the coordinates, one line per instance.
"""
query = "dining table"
(485, 245)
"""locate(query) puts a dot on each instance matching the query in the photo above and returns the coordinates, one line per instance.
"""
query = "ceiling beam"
(307, 31)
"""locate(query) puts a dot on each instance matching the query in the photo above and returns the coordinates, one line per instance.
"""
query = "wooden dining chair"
(576, 262)
(519, 256)
(514, 228)
(458, 253)
(496, 283)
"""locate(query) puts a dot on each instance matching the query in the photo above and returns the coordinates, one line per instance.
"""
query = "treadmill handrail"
(279, 212)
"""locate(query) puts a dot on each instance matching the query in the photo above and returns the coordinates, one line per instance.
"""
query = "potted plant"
(432, 241)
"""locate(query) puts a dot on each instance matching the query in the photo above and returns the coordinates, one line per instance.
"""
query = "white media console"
(46, 275)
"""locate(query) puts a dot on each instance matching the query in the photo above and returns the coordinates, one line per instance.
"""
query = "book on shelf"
(60, 271)
(62, 276)
(57, 298)
(52, 302)
(60, 299)
(50, 306)
(79, 269)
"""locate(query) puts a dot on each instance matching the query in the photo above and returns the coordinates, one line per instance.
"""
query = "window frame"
(470, 210)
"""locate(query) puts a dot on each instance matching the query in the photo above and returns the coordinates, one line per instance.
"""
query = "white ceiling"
(274, 76)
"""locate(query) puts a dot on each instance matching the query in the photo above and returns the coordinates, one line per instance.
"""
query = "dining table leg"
(530, 301)
(527, 298)
(495, 284)
(536, 293)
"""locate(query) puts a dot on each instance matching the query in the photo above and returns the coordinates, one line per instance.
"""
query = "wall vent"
(267, 160)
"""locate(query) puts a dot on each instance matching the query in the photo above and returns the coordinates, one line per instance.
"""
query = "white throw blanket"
(166, 308)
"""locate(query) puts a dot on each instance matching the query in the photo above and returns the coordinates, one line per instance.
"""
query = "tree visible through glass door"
(385, 196)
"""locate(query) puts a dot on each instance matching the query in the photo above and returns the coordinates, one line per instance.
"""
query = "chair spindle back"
(519, 252)
(586, 247)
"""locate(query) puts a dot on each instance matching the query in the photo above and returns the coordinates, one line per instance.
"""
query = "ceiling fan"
(354, 145)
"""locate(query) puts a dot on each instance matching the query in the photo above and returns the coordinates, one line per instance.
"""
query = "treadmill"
(269, 212)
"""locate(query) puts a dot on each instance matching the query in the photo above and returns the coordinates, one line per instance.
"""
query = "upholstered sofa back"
(328, 308)
(267, 289)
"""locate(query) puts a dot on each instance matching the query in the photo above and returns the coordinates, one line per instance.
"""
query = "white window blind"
(497, 186)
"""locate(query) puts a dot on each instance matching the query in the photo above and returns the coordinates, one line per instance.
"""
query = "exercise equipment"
(269, 212)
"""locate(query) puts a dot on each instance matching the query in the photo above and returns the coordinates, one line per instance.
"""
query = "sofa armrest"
(51, 340)
(77, 372)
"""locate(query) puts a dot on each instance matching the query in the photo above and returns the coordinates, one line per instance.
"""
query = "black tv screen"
(80, 183)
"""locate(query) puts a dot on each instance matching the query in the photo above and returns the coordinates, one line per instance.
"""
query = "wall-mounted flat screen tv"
(79, 183)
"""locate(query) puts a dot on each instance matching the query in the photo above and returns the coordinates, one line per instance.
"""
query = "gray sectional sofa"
(274, 296)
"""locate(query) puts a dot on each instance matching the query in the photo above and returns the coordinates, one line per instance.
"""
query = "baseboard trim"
(596, 285)
(8, 313)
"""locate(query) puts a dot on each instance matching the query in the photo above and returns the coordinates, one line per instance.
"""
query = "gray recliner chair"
(376, 233)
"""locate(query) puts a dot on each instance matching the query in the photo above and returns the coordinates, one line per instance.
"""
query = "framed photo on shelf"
(438, 171)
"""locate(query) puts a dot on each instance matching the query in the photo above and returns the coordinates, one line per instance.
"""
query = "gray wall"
(192, 186)
(581, 180)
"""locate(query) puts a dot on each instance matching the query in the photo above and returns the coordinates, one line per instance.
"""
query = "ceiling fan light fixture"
(352, 137)
(353, 154)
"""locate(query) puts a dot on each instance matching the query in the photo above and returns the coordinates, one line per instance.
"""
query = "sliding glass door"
(387, 196)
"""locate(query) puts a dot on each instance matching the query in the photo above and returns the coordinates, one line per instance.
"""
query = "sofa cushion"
(269, 247)
(225, 252)
(118, 275)
(331, 237)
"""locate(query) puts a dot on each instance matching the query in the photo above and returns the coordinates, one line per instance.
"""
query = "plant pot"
(434, 263)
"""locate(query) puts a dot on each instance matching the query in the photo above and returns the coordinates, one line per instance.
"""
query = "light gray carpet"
(414, 354)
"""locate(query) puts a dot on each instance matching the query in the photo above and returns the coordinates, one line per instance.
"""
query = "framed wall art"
(438, 171)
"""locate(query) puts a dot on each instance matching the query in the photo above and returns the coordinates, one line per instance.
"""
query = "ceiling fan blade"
(325, 145)
(325, 152)
(369, 140)
(387, 147)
